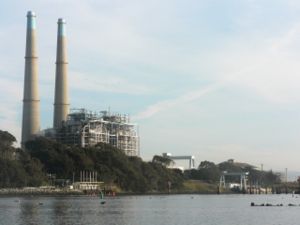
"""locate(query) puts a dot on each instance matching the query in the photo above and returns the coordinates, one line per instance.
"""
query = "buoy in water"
(102, 197)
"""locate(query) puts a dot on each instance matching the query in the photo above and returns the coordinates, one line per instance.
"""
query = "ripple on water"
(150, 210)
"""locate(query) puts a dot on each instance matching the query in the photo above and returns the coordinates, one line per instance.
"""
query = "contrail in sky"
(185, 98)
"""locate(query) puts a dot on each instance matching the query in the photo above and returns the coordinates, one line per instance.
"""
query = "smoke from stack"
(61, 101)
(31, 102)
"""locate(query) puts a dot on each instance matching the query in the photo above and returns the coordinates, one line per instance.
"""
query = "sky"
(211, 78)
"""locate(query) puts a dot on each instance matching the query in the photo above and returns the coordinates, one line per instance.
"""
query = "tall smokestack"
(61, 101)
(31, 102)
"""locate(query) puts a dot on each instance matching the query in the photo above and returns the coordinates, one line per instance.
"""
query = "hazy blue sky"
(216, 79)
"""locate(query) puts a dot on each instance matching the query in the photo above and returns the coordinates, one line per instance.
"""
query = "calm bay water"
(146, 210)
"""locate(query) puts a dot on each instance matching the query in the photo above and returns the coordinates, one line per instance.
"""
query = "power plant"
(80, 127)
(85, 128)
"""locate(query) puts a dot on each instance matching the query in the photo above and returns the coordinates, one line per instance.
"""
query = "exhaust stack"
(61, 99)
(31, 102)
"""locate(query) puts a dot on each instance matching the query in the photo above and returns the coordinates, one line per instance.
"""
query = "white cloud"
(267, 66)
(176, 102)
(100, 83)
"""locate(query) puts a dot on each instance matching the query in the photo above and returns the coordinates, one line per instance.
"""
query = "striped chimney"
(31, 101)
(61, 99)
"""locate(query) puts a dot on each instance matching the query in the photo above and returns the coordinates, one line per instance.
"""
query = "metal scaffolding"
(243, 179)
(85, 128)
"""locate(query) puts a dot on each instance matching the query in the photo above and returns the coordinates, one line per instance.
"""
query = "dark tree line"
(211, 172)
(112, 165)
(17, 168)
(20, 168)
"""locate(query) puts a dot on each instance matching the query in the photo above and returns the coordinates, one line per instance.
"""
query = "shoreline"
(28, 191)
(16, 192)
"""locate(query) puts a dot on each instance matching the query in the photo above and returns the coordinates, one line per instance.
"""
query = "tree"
(18, 171)
(206, 165)
(7, 140)
(207, 171)
(270, 178)
(111, 164)
(165, 161)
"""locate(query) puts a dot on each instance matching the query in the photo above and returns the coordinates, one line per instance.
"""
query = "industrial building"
(85, 128)
(78, 127)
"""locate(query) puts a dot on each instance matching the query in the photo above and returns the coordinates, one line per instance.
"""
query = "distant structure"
(31, 101)
(242, 175)
(84, 128)
(190, 158)
(88, 181)
(61, 100)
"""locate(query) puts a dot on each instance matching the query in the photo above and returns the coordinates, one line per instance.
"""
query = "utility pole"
(261, 176)
(286, 180)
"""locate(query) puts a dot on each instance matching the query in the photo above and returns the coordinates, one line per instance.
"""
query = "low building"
(87, 186)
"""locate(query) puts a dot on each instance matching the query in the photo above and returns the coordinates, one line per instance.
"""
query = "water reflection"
(59, 209)
(29, 212)
(114, 211)
(147, 210)
(84, 210)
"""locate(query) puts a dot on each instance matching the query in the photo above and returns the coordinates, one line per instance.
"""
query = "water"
(150, 210)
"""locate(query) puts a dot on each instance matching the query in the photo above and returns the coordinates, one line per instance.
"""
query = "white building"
(85, 128)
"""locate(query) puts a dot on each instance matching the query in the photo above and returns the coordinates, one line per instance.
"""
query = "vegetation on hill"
(131, 174)
(211, 172)
(17, 168)
(20, 168)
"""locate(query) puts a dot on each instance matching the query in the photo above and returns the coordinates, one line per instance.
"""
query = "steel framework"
(85, 128)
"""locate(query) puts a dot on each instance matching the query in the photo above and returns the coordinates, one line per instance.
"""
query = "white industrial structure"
(190, 158)
(243, 179)
(84, 128)
(88, 181)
